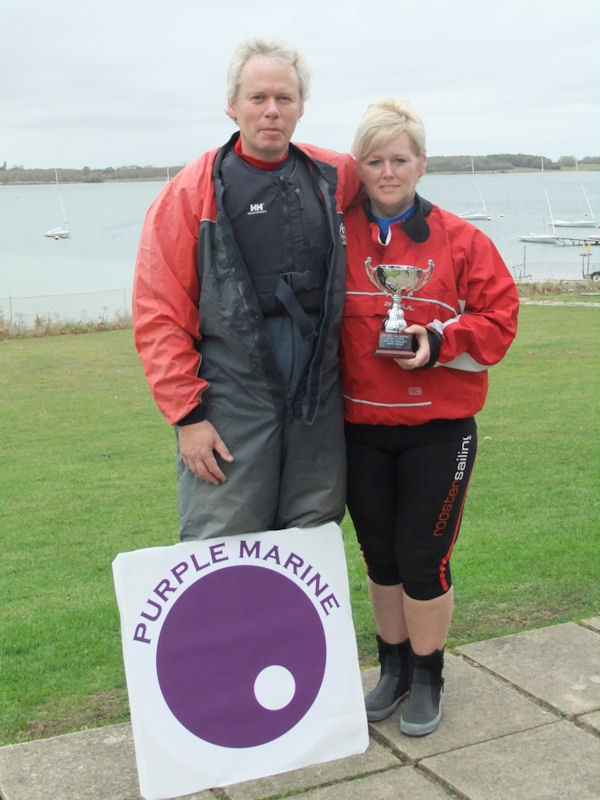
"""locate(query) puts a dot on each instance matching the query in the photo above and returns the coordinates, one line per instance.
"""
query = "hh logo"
(257, 208)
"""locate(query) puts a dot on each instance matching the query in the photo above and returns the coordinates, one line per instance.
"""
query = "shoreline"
(161, 177)
(15, 326)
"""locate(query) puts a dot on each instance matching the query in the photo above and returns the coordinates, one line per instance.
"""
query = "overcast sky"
(117, 82)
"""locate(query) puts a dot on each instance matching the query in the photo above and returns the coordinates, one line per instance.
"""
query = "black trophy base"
(396, 345)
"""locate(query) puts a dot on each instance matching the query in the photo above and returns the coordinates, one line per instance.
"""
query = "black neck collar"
(416, 227)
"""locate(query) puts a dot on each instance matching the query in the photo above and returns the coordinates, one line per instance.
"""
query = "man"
(238, 295)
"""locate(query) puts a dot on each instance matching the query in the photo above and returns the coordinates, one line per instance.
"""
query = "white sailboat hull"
(575, 223)
(475, 215)
(58, 233)
(540, 238)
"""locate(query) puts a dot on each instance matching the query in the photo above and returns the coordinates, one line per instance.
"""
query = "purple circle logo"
(241, 656)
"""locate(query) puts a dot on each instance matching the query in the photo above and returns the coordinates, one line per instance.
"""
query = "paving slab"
(477, 706)
(559, 665)
(97, 764)
(375, 759)
(591, 720)
(396, 784)
(553, 762)
(495, 741)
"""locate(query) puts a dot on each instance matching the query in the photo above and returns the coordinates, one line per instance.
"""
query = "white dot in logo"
(274, 687)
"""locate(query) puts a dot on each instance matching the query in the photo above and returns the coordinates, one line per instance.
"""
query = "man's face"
(267, 107)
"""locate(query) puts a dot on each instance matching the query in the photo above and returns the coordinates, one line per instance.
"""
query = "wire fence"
(115, 304)
(83, 307)
(554, 270)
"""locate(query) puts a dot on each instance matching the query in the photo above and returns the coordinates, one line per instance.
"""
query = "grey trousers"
(285, 473)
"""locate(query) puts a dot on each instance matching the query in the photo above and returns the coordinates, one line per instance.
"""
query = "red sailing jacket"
(471, 299)
(166, 290)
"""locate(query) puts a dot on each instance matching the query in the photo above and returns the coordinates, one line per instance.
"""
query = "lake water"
(91, 273)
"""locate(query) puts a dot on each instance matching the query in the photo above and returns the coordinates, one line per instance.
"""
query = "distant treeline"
(507, 162)
(19, 175)
(493, 163)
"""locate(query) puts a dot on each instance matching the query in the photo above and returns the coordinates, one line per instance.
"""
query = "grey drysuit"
(274, 394)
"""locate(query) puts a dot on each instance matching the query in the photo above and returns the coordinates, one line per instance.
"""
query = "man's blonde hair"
(272, 48)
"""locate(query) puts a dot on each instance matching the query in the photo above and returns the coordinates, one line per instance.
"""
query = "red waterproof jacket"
(166, 294)
(471, 299)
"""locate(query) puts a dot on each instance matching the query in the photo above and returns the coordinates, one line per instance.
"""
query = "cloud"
(144, 82)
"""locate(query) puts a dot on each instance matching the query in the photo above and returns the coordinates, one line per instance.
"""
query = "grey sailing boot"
(423, 710)
(393, 680)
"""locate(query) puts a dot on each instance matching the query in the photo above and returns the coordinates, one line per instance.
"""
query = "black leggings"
(406, 491)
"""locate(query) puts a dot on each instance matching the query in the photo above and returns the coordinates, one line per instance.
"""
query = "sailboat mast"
(550, 211)
(64, 213)
(60, 200)
(481, 197)
(587, 200)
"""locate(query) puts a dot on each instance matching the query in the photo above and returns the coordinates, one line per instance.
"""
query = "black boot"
(423, 710)
(393, 680)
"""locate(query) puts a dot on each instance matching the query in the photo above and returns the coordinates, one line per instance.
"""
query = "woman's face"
(390, 174)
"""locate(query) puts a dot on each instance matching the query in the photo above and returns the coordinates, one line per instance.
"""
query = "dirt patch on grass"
(102, 708)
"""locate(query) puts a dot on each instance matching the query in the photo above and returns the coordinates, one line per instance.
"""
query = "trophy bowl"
(397, 281)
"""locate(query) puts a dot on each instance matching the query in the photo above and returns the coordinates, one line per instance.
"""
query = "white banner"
(240, 657)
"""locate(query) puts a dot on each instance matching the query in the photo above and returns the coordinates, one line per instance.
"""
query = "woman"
(410, 427)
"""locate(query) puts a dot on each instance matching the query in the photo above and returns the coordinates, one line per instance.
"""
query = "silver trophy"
(398, 282)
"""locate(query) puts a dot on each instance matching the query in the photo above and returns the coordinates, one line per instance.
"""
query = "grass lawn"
(87, 471)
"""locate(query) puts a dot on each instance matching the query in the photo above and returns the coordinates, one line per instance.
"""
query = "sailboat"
(586, 222)
(484, 213)
(544, 238)
(61, 231)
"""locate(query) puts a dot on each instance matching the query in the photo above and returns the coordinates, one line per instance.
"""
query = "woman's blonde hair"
(383, 121)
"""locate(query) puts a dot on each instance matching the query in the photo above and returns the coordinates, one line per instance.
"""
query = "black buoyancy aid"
(280, 226)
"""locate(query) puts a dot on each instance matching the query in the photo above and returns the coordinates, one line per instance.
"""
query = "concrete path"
(521, 722)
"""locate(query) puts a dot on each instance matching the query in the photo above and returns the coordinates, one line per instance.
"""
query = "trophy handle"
(425, 276)
(370, 269)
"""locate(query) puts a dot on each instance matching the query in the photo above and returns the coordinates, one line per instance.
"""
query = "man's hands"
(198, 444)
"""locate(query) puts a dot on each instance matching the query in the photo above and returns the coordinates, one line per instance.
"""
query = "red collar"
(256, 162)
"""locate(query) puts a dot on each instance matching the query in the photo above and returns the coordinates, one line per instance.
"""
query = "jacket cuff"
(197, 414)
(435, 343)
